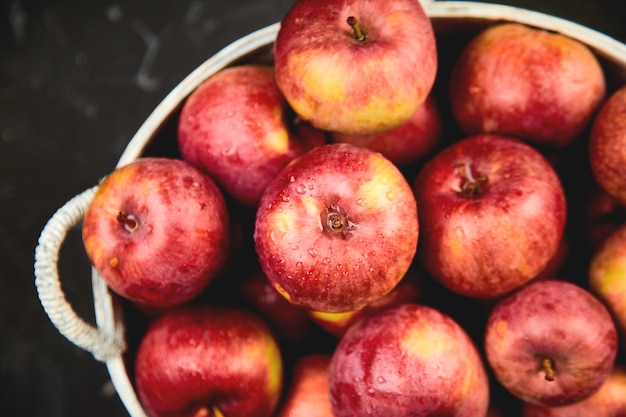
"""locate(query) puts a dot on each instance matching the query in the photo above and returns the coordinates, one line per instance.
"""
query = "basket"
(107, 339)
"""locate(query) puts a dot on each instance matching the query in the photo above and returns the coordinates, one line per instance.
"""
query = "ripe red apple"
(607, 141)
(526, 82)
(410, 142)
(492, 212)
(357, 66)
(607, 275)
(157, 231)
(308, 393)
(208, 361)
(608, 401)
(408, 360)
(235, 126)
(337, 228)
(550, 343)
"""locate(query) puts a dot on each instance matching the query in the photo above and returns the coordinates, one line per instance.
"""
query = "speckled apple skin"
(607, 142)
(551, 319)
(526, 82)
(410, 360)
(608, 401)
(607, 275)
(235, 126)
(340, 84)
(197, 357)
(488, 245)
(329, 272)
(182, 241)
(308, 394)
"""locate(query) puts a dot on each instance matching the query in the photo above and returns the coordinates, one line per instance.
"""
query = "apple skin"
(203, 360)
(337, 228)
(235, 127)
(308, 394)
(488, 243)
(557, 321)
(182, 237)
(408, 360)
(339, 83)
(608, 401)
(408, 143)
(525, 82)
(607, 141)
(607, 275)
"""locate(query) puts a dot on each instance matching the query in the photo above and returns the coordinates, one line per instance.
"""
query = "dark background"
(77, 78)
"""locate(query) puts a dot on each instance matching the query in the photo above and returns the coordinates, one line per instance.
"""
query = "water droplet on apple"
(381, 379)
(361, 202)
(300, 189)
(390, 195)
(298, 264)
(292, 179)
(459, 232)
(282, 225)
(370, 391)
(285, 197)
(312, 252)
(326, 260)
(295, 247)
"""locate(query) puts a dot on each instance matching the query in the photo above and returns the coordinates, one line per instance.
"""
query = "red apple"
(551, 343)
(492, 212)
(607, 275)
(157, 231)
(410, 142)
(337, 228)
(235, 127)
(408, 360)
(356, 66)
(308, 393)
(526, 82)
(208, 361)
(608, 401)
(607, 141)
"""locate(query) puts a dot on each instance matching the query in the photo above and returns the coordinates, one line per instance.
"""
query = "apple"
(607, 141)
(157, 231)
(527, 82)
(492, 212)
(337, 228)
(408, 290)
(308, 392)
(236, 127)
(607, 275)
(206, 361)
(550, 343)
(608, 401)
(412, 360)
(358, 66)
(410, 142)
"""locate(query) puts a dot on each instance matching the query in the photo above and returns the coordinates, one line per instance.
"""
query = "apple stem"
(335, 221)
(471, 185)
(547, 365)
(357, 32)
(130, 222)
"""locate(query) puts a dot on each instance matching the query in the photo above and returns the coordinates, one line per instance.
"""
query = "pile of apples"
(379, 222)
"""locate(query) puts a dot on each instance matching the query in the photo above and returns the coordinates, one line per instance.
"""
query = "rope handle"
(101, 344)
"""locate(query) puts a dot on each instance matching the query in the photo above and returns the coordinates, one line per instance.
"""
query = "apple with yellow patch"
(408, 360)
(337, 228)
(355, 66)
(208, 361)
(237, 127)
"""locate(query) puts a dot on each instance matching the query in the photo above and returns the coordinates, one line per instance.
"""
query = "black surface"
(77, 78)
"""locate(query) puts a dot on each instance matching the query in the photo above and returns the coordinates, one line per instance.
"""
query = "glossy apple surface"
(236, 127)
(606, 146)
(408, 360)
(410, 142)
(363, 77)
(208, 361)
(157, 230)
(526, 82)
(492, 212)
(551, 343)
(337, 228)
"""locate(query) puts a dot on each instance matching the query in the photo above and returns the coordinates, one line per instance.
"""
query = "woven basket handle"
(84, 335)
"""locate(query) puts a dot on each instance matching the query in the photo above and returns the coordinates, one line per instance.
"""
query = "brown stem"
(130, 222)
(547, 365)
(357, 32)
(335, 221)
(471, 184)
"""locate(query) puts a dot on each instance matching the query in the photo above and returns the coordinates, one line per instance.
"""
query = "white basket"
(106, 340)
